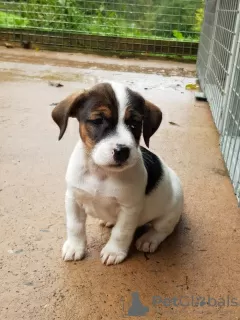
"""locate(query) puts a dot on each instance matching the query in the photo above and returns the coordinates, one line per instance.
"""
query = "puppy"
(111, 177)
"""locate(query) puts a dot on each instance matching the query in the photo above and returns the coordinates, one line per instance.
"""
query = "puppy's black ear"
(68, 108)
(152, 121)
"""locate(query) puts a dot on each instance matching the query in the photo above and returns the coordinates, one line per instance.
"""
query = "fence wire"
(218, 68)
(74, 23)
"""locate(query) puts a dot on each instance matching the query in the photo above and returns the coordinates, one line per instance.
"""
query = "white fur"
(118, 197)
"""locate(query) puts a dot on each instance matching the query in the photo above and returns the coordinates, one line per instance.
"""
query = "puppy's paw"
(111, 254)
(147, 242)
(106, 224)
(73, 250)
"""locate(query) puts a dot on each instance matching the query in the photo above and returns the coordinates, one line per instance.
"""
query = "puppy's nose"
(121, 153)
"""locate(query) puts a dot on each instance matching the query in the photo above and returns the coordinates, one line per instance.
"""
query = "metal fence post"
(231, 69)
(212, 43)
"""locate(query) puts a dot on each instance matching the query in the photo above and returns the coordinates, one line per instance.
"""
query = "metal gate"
(218, 68)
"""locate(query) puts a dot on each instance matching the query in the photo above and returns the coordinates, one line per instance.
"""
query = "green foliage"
(199, 19)
(12, 20)
(177, 15)
(53, 14)
(178, 35)
(152, 19)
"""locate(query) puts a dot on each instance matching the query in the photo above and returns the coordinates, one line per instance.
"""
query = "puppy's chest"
(98, 197)
(97, 186)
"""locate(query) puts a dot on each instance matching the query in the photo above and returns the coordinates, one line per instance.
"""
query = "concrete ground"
(198, 265)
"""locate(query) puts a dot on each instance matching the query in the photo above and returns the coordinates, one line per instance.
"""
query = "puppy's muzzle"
(121, 154)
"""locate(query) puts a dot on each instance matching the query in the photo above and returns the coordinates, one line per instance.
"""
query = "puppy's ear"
(69, 107)
(152, 120)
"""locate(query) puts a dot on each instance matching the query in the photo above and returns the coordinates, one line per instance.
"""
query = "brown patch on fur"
(127, 113)
(83, 130)
(99, 101)
(101, 110)
(131, 112)
(65, 109)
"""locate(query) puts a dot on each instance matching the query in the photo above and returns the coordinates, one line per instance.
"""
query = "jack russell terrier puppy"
(111, 177)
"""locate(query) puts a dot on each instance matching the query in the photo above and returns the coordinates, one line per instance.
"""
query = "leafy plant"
(178, 35)
(12, 20)
(156, 20)
(199, 19)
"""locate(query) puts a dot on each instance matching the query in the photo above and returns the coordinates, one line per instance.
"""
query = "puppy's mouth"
(118, 165)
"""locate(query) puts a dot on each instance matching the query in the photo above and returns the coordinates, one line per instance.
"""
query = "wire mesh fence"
(218, 68)
(157, 26)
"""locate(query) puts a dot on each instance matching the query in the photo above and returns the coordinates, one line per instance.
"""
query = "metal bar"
(232, 66)
(212, 42)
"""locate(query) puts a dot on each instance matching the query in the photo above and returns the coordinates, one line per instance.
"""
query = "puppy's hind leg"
(160, 230)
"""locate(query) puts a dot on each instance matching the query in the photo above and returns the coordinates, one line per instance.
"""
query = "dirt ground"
(198, 265)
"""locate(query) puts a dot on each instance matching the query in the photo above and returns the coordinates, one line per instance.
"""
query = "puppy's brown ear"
(67, 108)
(152, 120)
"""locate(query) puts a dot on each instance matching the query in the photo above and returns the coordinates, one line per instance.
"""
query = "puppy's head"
(111, 120)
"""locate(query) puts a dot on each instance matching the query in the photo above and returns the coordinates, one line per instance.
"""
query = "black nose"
(121, 153)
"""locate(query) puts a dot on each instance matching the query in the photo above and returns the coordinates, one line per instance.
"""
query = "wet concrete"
(90, 61)
(200, 259)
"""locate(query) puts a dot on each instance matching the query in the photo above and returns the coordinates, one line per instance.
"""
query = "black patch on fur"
(154, 169)
(135, 126)
(136, 101)
(136, 110)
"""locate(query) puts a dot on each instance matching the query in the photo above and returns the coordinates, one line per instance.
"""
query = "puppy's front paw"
(73, 250)
(148, 242)
(111, 254)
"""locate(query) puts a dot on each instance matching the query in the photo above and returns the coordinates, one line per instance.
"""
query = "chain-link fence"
(141, 26)
(218, 68)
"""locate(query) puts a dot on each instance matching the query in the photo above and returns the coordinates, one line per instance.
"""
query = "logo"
(163, 305)
(136, 308)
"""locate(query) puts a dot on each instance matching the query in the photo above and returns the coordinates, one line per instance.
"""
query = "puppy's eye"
(132, 124)
(96, 121)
